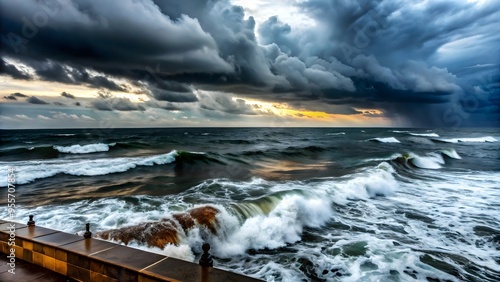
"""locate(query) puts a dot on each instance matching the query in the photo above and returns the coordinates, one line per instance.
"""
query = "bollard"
(87, 233)
(206, 259)
(31, 222)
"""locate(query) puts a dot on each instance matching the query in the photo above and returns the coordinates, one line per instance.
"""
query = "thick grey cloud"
(35, 100)
(406, 60)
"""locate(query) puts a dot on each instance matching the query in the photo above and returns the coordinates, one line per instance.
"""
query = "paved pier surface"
(28, 272)
(79, 259)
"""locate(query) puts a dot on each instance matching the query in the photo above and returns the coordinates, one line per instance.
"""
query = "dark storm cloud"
(169, 96)
(223, 103)
(171, 91)
(68, 95)
(13, 71)
(102, 34)
(106, 102)
(35, 100)
(52, 71)
(390, 55)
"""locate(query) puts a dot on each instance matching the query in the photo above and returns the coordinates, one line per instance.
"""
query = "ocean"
(280, 204)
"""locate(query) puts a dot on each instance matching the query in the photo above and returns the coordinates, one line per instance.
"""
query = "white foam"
(64, 135)
(471, 140)
(335, 133)
(28, 171)
(386, 140)
(85, 149)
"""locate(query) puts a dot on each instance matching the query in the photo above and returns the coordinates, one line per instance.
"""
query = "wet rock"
(166, 231)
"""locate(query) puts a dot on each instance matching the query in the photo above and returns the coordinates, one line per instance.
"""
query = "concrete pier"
(87, 259)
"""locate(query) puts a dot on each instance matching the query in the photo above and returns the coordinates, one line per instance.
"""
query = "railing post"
(31, 222)
(206, 259)
(87, 233)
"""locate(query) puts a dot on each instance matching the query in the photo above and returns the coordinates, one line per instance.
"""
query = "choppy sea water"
(295, 204)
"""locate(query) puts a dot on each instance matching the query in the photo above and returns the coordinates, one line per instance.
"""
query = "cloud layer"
(432, 63)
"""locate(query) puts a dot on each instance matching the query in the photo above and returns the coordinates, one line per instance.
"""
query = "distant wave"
(425, 134)
(85, 149)
(335, 133)
(468, 140)
(417, 134)
(44, 152)
(385, 140)
(63, 135)
(28, 171)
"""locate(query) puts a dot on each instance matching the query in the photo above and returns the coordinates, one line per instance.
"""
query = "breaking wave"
(385, 140)
(434, 160)
(468, 140)
(85, 149)
(28, 171)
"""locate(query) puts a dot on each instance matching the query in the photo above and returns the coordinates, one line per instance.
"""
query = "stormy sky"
(138, 63)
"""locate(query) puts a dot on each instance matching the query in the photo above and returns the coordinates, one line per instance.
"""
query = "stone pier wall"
(88, 259)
